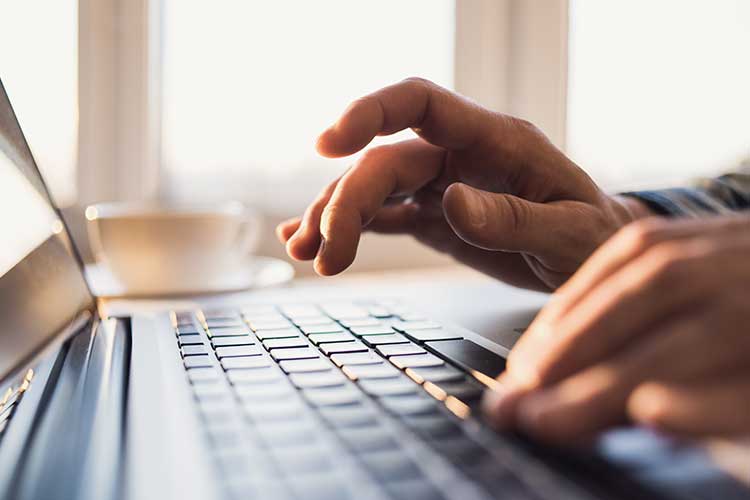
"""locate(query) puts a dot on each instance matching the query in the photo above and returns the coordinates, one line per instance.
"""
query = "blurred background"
(202, 101)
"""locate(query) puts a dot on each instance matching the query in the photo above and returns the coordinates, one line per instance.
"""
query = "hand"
(486, 188)
(653, 329)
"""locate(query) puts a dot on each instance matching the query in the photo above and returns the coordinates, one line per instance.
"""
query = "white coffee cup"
(149, 246)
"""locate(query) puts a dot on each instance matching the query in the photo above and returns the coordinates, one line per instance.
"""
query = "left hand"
(653, 329)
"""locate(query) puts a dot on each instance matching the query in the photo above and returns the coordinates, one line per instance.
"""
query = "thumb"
(495, 221)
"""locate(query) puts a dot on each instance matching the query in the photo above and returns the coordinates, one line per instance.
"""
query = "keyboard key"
(413, 489)
(187, 330)
(351, 323)
(468, 391)
(388, 387)
(433, 426)
(286, 433)
(430, 335)
(462, 451)
(391, 465)
(284, 333)
(409, 405)
(357, 358)
(194, 350)
(379, 312)
(327, 328)
(298, 353)
(312, 320)
(470, 356)
(245, 362)
(232, 341)
(225, 323)
(260, 375)
(210, 391)
(295, 462)
(305, 365)
(416, 360)
(349, 415)
(299, 311)
(372, 330)
(332, 396)
(199, 375)
(441, 374)
(284, 409)
(399, 349)
(183, 317)
(357, 372)
(242, 350)
(258, 310)
(343, 347)
(375, 340)
(415, 325)
(326, 486)
(201, 361)
(368, 439)
(227, 332)
(326, 338)
(344, 311)
(279, 389)
(218, 413)
(317, 379)
(411, 316)
(189, 340)
(280, 324)
(285, 343)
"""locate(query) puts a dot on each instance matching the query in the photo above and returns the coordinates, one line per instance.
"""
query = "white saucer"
(259, 272)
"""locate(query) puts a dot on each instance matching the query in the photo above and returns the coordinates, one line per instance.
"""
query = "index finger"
(439, 116)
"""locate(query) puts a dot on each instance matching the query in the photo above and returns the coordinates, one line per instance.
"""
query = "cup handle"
(249, 233)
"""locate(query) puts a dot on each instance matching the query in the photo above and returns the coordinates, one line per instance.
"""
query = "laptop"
(288, 395)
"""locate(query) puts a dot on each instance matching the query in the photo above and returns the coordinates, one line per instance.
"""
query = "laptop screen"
(42, 289)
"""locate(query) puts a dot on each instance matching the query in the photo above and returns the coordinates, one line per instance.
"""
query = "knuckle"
(667, 262)
(374, 154)
(418, 81)
(517, 213)
(642, 234)
(525, 126)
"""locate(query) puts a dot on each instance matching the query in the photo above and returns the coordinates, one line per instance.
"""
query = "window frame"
(510, 55)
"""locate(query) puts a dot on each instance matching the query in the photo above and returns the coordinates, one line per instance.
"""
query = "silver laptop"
(292, 398)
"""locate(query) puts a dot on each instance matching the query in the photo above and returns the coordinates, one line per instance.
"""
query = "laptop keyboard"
(341, 401)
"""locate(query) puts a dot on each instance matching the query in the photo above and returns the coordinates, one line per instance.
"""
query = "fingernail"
(475, 207)
(320, 256)
(322, 247)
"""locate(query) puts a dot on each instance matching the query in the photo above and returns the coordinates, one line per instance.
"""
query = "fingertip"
(648, 404)
(302, 247)
(537, 416)
(499, 406)
(287, 228)
(454, 198)
(325, 145)
(340, 229)
(465, 212)
(354, 129)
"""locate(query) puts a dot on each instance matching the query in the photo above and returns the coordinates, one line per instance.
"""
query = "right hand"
(489, 189)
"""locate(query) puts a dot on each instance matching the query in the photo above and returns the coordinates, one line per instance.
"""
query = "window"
(247, 86)
(658, 91)
(39, 61)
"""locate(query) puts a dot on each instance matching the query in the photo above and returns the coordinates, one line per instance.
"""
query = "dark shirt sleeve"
(720, 195)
